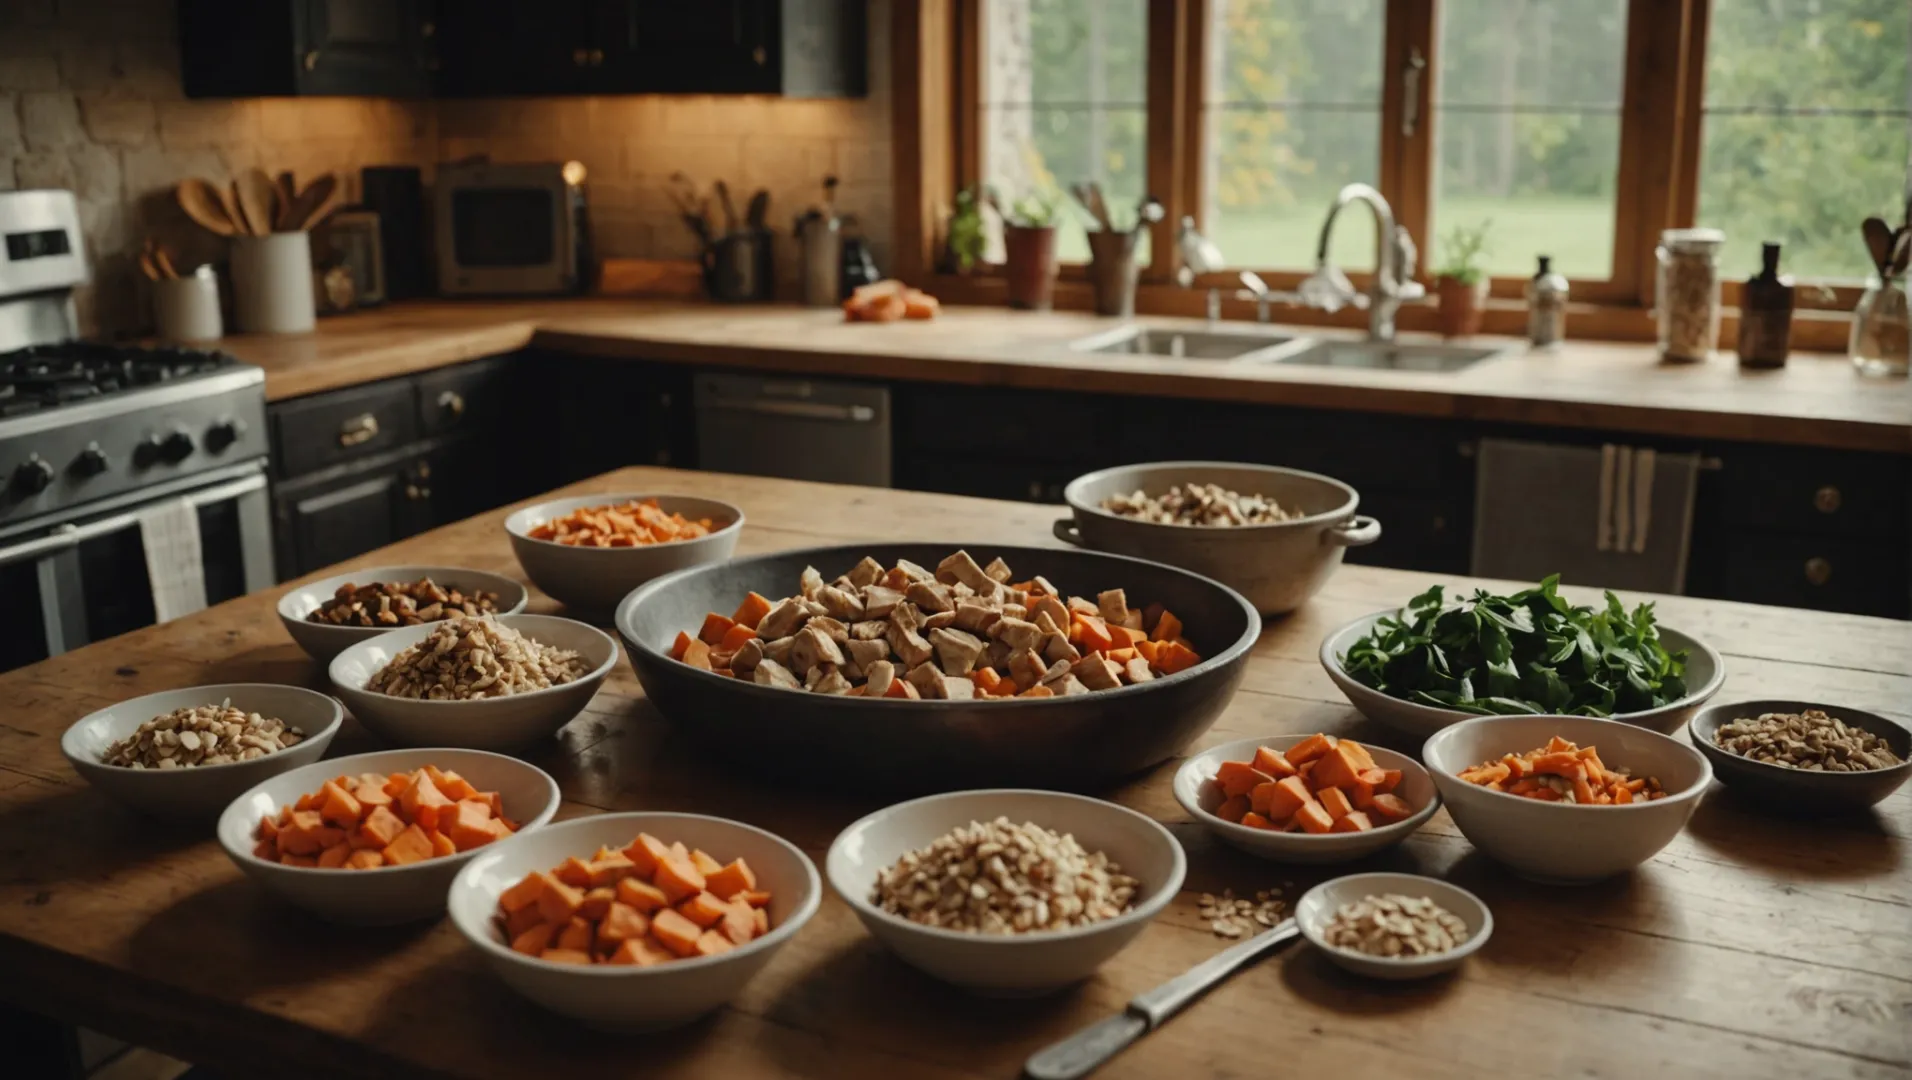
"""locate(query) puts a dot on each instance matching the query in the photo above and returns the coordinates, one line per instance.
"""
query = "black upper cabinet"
(261, 48)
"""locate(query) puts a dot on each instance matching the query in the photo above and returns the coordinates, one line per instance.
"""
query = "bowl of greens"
(1436, 662)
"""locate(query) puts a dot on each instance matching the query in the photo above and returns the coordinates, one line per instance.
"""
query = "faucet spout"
(1394, 256)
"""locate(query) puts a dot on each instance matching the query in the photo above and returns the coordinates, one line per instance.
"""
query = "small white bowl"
(203, 791)
(1318, 905)
(1705, 671)
(388, 894)
(323, 641)
(511, 722)
(1560, 843)
(1007, 964)
(620, 998)
(595, 579)
(1195, 788)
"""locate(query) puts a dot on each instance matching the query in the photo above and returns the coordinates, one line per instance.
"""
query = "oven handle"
(807, 410)
(66, 536)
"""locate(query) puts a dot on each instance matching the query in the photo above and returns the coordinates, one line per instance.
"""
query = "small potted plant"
(966, 239)
(1029, 245)
(1460, 283)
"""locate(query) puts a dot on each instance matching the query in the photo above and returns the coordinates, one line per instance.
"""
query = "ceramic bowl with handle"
(1276, 566)
(1786, 790)
(595, 579)
(323, 641)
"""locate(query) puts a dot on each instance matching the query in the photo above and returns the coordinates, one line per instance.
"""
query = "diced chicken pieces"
(976, 616)
(834, 629)
(878, 676)
(813, 647)
(879, 600)
(841, 604)
(770, 673)
(939, 620)
(869, 629)
(814, 607)
(930, 596)
(995, 655)
(865, 573)
(1026, 668)
(1069, 685)
(1096, 673)
(906, 615)
(745, 659)
(1079, 606)
(961, 567)
(809, 583)
(779, 649)
(1038, 607)
(1055, 673)
(826, 679)
(864, 653)
(1043, 587)
(1114, 605)
(932, 683)
(1014, 632)
(1056, 649)
(1137, 669)
(1014, 609)
(913, 572)
(998, 571)
(783, 620)
(909, 646)
(956, 651)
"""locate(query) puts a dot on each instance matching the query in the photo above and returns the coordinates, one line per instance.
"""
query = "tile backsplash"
(90, 100)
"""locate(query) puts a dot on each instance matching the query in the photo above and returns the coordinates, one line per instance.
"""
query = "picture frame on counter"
(351, 240)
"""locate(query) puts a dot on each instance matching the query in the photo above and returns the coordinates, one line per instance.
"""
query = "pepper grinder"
(1765, 314)
(1546, 306)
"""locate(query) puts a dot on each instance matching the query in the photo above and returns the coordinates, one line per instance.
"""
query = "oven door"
(78, 581)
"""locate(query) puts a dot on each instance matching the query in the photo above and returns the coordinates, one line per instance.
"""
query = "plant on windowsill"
(1460, 282)
(1029, 247)
(966, 239)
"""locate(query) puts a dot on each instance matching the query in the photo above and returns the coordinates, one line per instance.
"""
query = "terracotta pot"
(1031, 265)
(1462, 305)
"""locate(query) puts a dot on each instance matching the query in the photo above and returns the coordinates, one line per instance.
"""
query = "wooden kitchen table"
(1753, 946)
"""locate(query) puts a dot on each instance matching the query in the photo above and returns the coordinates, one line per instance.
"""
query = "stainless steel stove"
(94, 438)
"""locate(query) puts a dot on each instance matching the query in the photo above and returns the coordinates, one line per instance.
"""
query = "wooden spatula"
(258, 199)
(312, 204)
(1879, 242)
(201, 201)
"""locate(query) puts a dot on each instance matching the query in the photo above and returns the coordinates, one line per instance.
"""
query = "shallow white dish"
(388, 894)
(596, 579)
(1318, 905)
(1558, 842)
(322, 641)
(511, 722)
(1705, 671)
(621, 998)
(1009, 964)
(1195, 788)
(203, 791)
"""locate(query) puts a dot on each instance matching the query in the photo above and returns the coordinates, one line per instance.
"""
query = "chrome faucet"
(1330, 290)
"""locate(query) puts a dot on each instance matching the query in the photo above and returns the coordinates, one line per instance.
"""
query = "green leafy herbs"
(1531, 652)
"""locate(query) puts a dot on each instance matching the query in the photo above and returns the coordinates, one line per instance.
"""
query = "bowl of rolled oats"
(1273, 534)
(332, 614)
(1796, 757)
(500, 682)
(187, 753)
(1394, 926)
(1006, 892)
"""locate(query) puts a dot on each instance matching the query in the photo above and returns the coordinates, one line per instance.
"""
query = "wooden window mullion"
(1407, 168)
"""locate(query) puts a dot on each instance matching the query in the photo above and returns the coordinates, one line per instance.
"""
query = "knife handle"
(1165, 1000)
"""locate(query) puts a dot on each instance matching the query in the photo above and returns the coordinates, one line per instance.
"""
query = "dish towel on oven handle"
(1614, 517)
(175, 562)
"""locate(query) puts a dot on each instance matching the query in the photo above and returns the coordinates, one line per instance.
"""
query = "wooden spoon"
(258, 199)
(312, 204)
(288, 188)
(147, 267)
(164, 262)
(201, 201)
(1879, 242)
(1901, 251)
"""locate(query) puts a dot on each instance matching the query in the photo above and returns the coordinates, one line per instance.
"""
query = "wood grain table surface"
(1753, 946)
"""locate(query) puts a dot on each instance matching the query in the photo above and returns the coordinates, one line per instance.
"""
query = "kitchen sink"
(1181, 344)
(1391, 356)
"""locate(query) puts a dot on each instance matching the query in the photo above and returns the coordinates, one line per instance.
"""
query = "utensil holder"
(1112, 271)
(187, 309)
(272, 283)
(739, 268)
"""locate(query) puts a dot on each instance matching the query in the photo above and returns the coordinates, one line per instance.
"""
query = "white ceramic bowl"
(1559, 842)
(1319, 904)
(1014, 964)
(511, 722)
(1705, 671)
(322, 641)
(388, 894)
(1196, 790)
(621, 998)
(595, 579)
(201, 792)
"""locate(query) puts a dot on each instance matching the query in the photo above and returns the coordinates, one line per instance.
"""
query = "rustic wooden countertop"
(1753, 946)
(1816, 400)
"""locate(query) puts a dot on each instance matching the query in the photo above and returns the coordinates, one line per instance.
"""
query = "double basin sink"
(1253, 345)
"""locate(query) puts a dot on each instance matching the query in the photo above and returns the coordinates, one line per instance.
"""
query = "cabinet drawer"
(1032, 425)
(464, 398)
(1864, 496)
(314, 433)
(1826, 573)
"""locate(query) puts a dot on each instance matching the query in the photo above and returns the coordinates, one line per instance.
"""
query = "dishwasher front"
(797, 428)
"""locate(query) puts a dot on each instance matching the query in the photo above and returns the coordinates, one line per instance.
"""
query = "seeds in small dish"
(1395, 926)
(367, 821)
(649, 903)
(999, 878)
(1319, 785)
(202, 735)
(1209, 505)
(1810, 740)
(1563, 772)
(631, 524)
(395, 603)
(465, 658)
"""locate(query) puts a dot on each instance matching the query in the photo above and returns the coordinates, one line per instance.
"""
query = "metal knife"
(1081, 1053)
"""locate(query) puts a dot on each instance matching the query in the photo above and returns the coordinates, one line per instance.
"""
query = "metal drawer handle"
(452, 402)
(359, 429)
(1818, 570)
(849, 414)
(1827, 500)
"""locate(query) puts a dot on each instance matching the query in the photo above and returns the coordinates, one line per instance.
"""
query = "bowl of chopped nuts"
(930, 880)
(488, 683)
(332, 614)
(1394, 926)
(588, 551)
(1800, 758)
(185, 754)
(1273, 534)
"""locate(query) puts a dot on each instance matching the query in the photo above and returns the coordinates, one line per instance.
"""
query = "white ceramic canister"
(272, 283)
(187, 309)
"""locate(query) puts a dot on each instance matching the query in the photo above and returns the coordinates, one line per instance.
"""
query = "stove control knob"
(176, 447)
(32, 476)
(146, 452)
(91, 461)
(223, 434)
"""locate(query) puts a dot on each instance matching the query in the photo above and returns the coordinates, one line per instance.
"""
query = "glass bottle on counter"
(1765, 314)
(1881, 328)
(1546, 306)
(1687, 296)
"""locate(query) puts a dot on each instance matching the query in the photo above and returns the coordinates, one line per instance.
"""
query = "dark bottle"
(1765, 314)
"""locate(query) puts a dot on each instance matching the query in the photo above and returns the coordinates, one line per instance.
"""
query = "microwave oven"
(517, 229)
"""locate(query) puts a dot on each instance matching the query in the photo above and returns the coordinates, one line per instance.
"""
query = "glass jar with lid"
(1687, 300)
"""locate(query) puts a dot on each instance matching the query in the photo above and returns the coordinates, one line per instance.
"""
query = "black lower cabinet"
(334, 518)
